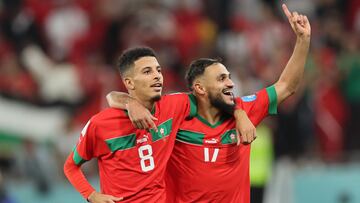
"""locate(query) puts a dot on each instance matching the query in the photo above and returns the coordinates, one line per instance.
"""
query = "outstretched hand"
(299, 23)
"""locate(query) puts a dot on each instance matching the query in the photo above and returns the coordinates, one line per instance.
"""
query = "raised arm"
(292, 74)
(140, 116)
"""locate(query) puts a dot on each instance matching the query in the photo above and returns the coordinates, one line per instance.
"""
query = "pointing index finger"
(286, 11)
(152, 125)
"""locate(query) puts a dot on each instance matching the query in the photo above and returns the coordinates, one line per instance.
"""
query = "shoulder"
(259, 95)
(107, 115)
(179, 97)
(184, 101)
(175, 96)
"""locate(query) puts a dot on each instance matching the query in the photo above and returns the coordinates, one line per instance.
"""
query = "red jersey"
(206, 164)
(131, 161)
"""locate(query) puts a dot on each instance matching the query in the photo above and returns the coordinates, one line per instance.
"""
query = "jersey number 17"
(207, 155)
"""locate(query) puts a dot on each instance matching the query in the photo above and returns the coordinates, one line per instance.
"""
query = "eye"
(147, 72)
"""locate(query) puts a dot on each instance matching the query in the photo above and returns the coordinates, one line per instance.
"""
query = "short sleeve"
(271, 92)
(86, 145)
(259, 105)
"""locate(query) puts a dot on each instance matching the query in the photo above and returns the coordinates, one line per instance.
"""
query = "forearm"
(246, 130)
(239, 114)
(293, 73)
(118, 99)
(76, 177)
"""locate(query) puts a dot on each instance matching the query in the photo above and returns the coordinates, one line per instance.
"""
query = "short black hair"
(129, 56)
(197, 68)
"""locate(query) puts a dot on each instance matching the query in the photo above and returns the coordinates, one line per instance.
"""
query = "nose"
(157, 75)
(230, 83)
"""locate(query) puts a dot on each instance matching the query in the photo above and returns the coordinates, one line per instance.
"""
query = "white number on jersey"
(148, 157)
(207, 154)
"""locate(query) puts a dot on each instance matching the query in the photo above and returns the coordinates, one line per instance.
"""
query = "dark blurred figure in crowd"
(349, 64)
(4, 197)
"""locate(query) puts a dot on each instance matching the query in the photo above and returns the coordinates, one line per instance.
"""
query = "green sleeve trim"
(77, 158)
(271, 92)
(193, 106)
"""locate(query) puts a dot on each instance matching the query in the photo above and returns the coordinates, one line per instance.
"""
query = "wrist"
(89, 198)
(238, 113)
(129, 101)
(303, 39)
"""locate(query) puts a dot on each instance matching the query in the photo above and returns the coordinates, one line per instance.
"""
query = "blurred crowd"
(62, 54)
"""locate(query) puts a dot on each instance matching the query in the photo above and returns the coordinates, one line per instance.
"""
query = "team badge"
(162, 131)
(233, 137)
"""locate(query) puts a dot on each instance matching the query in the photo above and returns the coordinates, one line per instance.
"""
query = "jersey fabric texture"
(131, 161)
(207, 165)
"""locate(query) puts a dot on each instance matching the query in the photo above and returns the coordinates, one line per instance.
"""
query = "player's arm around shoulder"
(291, 76)
(139, 115)
(246, 131)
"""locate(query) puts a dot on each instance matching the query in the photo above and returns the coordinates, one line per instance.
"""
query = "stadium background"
(57, 64)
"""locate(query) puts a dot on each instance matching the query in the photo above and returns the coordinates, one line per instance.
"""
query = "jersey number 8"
(149, 165)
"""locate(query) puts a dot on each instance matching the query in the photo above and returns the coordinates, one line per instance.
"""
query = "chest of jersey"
(136, 149)
(207, 159)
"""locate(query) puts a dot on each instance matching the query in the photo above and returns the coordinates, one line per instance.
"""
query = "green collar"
(203, 120)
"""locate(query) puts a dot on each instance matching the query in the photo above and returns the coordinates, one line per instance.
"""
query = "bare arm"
(140, 116)
(244, 127)
(293, 73)
(118, 100)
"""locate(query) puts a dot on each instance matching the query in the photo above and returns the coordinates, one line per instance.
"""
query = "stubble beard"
(156, 98)
(218, 102)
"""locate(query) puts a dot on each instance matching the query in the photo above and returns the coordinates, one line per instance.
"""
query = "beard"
(156, 98)
(217, 101)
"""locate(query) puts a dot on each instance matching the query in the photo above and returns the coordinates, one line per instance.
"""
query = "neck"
(207, 111)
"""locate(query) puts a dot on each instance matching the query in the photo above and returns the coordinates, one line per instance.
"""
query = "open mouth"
(228, 92)
(157, 86)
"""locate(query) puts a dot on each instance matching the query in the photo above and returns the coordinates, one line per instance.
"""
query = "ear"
(129, 83)
(199, 88)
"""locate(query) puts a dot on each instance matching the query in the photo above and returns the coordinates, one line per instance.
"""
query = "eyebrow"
(150, 67)
(224, 74)
(146, 67)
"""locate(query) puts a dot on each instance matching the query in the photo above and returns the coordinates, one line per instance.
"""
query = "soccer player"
(132, 161)
(206, 164)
